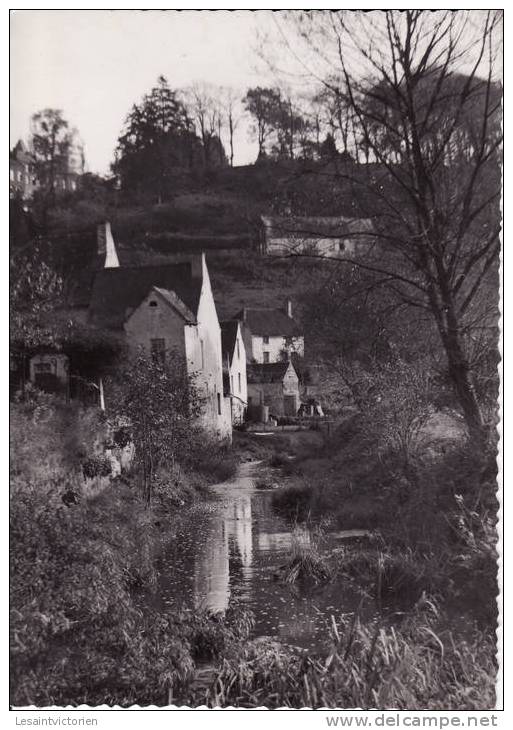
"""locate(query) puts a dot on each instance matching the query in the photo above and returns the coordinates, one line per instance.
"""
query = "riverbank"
(92, 621)
(84, 628)
(360, 635)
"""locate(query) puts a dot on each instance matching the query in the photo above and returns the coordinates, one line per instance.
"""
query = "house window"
(266, 357)
(219, 404)
(158, 350)
(266, 339)
(240, 389)
(153, 303)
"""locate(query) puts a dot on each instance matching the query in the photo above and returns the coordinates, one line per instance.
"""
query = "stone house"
(329, 237)
(271, 335)
(22, 176)
(275, 385)
(23, 180)
(162, 308)
(234, 369)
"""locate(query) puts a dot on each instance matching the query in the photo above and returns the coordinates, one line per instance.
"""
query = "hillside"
(218, 214)
(226, 202)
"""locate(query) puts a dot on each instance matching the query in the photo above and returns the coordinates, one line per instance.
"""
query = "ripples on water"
(231, 550)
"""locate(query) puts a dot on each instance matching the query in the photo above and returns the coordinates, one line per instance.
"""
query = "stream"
(229, 550)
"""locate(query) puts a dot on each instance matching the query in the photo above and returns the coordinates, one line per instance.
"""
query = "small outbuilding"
(275, 385)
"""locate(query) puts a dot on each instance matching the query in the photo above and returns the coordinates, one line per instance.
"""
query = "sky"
(93, 65)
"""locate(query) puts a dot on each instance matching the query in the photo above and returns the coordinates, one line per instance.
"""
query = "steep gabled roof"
(228, 338)
(270, 322)
(118, 291)
(272, 372)
(176, 303)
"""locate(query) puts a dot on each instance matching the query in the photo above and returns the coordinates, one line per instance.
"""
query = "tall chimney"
(288, 308)
(106, 246)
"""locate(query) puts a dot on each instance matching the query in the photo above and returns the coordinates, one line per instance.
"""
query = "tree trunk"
(459, 374)
(230, 121)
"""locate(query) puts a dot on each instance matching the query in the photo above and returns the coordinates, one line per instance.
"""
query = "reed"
(369, 666)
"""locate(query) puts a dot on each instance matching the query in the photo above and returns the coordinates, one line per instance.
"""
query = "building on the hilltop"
(22, 175)
(234, 369)
(275, 385)
(271, 335)
(328, 237)
(163, 308)
(26, 176)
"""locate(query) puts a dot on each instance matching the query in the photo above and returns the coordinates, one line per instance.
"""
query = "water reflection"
(232, 551)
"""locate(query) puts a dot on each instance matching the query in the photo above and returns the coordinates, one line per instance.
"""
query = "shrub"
(217, 462)
(96, 466)
(294, 501)
(306, 561)
(279, 459)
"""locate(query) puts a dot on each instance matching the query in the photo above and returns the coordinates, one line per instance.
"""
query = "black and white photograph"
(255, 420)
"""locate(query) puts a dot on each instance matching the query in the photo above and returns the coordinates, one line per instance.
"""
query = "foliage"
(216, 461)
(34, 289)
(159, 400)
(96, 466)
(78, 572)
(294, 501)
(51, 141)
(279, 128)
(306, 562)
(414, 666)
(157, 138)
(435, 135)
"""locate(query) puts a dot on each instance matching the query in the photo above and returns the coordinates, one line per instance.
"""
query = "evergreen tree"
(157, 137)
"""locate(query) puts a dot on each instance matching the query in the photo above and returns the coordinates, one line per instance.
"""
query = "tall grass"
(306, 561)
(369, 665)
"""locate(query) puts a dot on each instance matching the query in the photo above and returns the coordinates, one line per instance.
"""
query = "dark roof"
(270, 322)
(272, 372)
(116, 291)
(302, 226)
(228, 337)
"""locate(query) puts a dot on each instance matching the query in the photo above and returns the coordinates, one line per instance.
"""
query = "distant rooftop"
(269, 322)
(272, 372)
(309, 226)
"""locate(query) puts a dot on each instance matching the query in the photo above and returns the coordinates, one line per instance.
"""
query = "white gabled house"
(168, 307)
(271, 335)
(328, 237)
(234, 369)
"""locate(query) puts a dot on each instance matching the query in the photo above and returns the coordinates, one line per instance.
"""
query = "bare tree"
(204, 105)
(230, 102)
(422, 89)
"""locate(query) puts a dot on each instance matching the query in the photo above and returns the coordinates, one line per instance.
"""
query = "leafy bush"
(306, 561)
(80, 574)
(96, 466)
(294, 501)
(279, 459)
(218, 463)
